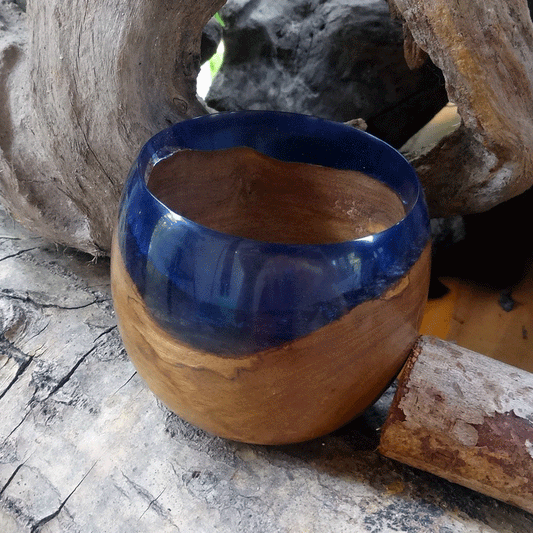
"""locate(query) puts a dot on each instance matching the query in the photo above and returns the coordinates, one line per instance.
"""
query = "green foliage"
(218, 18)
(216, 61)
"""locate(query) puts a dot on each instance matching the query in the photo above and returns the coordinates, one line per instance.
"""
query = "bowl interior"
(243, 231)
(242, 192)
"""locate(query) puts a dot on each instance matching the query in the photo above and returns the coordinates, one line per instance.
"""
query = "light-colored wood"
(471, 316)
(86, 447)
(245, 193)
(298, 391)
(484, 48)
(464, 417)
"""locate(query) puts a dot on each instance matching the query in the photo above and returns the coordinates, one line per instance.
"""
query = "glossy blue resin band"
(231, 296)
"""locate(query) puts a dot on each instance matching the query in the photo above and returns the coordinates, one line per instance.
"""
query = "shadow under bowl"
(269, 272)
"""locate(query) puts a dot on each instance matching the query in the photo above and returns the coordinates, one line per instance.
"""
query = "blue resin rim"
(232, 296)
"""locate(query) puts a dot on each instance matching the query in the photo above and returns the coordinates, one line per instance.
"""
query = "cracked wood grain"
(149, 498)
(20, 358)
(28, 297)
(43, 521)
(79, 362)
(16, 427)
(152, 503)
(16, 254)
(125, 383)
(10, 479)
(151, 471)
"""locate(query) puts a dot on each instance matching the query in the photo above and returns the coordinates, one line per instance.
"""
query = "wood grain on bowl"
(242, 192)
(294, 392)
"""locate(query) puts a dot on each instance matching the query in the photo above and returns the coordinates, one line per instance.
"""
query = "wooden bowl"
(269, 272)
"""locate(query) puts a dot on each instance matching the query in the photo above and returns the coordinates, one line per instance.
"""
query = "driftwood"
(85, 84)
(85, 446)
(465, 417)
(484, 48)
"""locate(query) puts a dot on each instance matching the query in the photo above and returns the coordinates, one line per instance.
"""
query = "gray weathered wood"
(83, 85)
(85, 446)
(465, 417)
(484, 48)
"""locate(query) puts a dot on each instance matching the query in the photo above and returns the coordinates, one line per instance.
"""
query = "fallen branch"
(466, 418)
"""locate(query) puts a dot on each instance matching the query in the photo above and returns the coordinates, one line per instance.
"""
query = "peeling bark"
(466, 418)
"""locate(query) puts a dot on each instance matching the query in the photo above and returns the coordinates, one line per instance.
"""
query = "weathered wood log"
(85, 446)
(466, 418)
(84, 85)
(484, 48)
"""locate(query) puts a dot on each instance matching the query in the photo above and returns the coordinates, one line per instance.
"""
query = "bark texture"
(484, 48)
(86, 447)
(465, 417)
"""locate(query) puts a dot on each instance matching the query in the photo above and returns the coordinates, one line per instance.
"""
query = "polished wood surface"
(245, 193)
(471, 315)
(295, 392)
